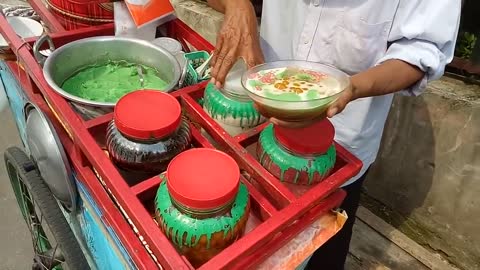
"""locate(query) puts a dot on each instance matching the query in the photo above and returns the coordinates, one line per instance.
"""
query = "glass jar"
(201, 206)
(230, 106)
(147, 131)
(303, 156)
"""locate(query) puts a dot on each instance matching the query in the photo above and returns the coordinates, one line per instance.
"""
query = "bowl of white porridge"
(294, 91)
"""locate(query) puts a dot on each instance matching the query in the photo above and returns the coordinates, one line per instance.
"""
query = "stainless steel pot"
(74, 56)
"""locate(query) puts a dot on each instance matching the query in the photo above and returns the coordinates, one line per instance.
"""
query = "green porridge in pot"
(109, 82)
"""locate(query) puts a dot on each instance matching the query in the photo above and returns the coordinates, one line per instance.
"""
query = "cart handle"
(38, 44)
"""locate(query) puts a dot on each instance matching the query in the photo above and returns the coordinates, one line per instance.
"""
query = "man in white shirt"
(386, 46)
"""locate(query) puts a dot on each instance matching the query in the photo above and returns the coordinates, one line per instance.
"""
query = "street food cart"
(70, 192)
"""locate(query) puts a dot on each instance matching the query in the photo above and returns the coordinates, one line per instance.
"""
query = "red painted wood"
(245, 160)
(110, 214)
(101, 120)
(282, 211)
(47, 17)
(202, 141)
(333, 201)
(146, 185)
(64, 37)
(160, 245)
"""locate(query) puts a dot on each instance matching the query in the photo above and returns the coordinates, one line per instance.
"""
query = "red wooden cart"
(279, 214)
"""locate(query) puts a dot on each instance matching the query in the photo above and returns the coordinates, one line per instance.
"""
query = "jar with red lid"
(298, 155)
(201, 205)
(147, 131)
(230, 106)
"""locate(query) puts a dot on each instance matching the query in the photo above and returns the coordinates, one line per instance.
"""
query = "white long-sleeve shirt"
(354, 35)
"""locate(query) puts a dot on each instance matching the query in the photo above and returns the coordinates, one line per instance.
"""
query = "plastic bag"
(295, 254)
(145, 12)
(126, 27)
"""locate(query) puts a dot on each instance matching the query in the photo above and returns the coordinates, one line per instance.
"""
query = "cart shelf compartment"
(279, 211)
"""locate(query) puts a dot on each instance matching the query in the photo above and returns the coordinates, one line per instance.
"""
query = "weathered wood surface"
(376, 245)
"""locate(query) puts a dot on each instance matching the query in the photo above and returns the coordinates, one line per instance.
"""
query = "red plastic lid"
(147, 114)
(314, 139)
(203, 178)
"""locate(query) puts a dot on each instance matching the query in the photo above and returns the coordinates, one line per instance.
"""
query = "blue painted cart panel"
(98, 240)
(16, 97)
(104, 246)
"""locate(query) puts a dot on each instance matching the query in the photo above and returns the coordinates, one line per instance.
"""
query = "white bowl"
(24, 27)
(301, 110)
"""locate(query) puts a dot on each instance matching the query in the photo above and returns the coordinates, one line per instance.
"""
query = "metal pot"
(74, 56)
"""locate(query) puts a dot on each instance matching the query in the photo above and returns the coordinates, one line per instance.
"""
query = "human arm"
(389, 77)
(218, 5)
(422, 41)
(238, 38)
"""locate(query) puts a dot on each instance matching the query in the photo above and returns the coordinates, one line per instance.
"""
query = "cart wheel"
(54, 244)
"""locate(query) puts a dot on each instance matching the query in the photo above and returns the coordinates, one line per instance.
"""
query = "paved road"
(15, 244)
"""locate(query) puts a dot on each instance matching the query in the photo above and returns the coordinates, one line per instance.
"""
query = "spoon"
(184, 74)
(206, 74)
(140, 74)
(203, 67)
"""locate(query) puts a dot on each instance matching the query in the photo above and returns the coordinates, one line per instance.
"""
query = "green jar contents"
(303, 156)
(109, 82)
(201, 206)
(231, 106)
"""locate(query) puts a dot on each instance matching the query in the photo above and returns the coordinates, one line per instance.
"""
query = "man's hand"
(388, 77)
(237, 38)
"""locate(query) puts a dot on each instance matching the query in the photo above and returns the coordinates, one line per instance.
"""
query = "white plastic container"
(126, 27)
(23, 27)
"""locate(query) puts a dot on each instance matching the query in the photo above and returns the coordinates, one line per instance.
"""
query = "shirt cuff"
(422, 54)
